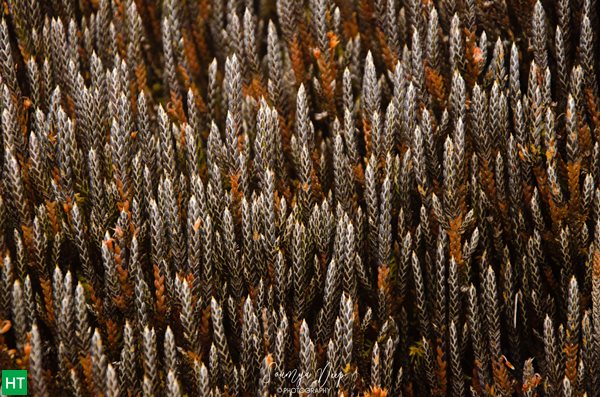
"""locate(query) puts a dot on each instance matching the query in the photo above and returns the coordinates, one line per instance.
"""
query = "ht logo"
(14, 382)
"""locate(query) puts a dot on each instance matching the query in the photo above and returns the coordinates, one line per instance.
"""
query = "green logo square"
(14, 382)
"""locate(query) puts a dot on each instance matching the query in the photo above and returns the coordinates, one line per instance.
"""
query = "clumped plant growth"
(389, 197)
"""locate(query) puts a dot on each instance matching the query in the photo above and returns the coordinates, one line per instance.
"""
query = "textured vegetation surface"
(389, 197)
